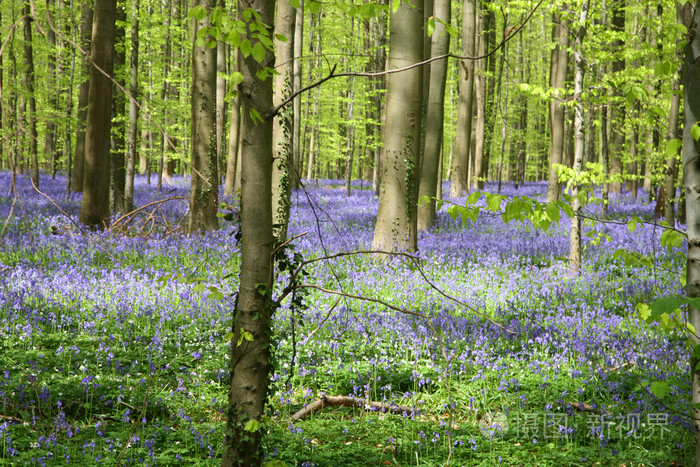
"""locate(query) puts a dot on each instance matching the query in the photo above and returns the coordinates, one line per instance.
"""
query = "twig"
(348, 401)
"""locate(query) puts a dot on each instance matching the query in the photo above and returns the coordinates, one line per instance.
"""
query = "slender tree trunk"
(233, 143)
(30, 115)
(133, 110)
(617, 111)
(50, 131)
(297, 146)
(350, 135)
(480, 84)
(250, 358)
(463, 139)
(691, 171)
(435, 117)
(282, 126)
(70, 29)
(379, 86)
(395, 229)
(579, 129)
(94, 210)
(85, 40)
(673, 126)
(163, 166)
(490, 101)
(220, 100)
(118, 168)
(557, 81)
(204, 183)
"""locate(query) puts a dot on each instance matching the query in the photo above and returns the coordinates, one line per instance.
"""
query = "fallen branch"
(348, 401)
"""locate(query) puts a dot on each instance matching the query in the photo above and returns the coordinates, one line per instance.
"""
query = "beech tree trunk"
(557, 81)
(579, 130)
(30, 115)
(204, 183)
(480, 85)
(395, 229)
(118, 167)
(691, 172)
(85, 39)
(133, 110)
(460, 165)
(617, 110)
(94, 210)
(435, 117)
(250, 359)
(282, 126)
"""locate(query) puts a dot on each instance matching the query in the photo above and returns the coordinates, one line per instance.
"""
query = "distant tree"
(118, 134)
(395, 229)
(204, 182)
(28, 82)
(94, 210)
(557, 80)
(617, 111)
(133, 109)
(464, 107)
(435, 116)
(86, 14)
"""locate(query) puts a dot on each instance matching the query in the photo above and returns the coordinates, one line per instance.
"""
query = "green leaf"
(430, 27)
(237, 77)
(472, 198)
(493, 202)
(255, 116)
(258, 52)
(660, 389)
(228, 337)
(643, 310)
(281, 37)
(367, 10)
(295, 3)
(695, 131)
(246, 48)
(395, 4)
(552, 211)
(663, 69)
(632, 225)
(314, 7)
(672, 147)
(244, 336)
(211, 44)
(252, 426)
(665, 305)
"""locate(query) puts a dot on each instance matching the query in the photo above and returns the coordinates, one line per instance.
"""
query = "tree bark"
(250, 359)
(617, 111)
(480, 84)
(435, 117)
(94, 210)
(233, 143)
(691, 171)
(579, 130)
(118, 168)
(395, 229)
(557, 81)
(86, 17)
(282, 126)
(133, 110)
(204, 183)
(30, 115)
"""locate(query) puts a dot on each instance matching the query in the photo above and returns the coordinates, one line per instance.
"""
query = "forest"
(350, 233)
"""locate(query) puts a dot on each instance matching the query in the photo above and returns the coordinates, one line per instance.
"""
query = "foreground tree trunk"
(94, 210)
(30, 116)
(691, 171)
(204, 183)
(250, 356)
(435, 118)
(617, 110)
(395, 229)
(460, 164)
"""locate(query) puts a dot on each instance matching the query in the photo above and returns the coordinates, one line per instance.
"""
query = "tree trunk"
(395, 229)
(118, 168)
(50, 131)
(133, 110)
(460, 166)
(480, 84)
(233, 143)
(250, 359)
(30, 115)
(220, 101)
(490, 100)
(557, 81)
(204, 183)
(297, 145)
(617, 111)
(85, 38)
(94, 210)
(282, 126)
(379, 86)
(579, 129)
(691, 170)
(673, 125)
(350, 134)
(435, 117)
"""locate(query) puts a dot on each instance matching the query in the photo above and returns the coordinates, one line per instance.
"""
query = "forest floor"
(113, 350)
